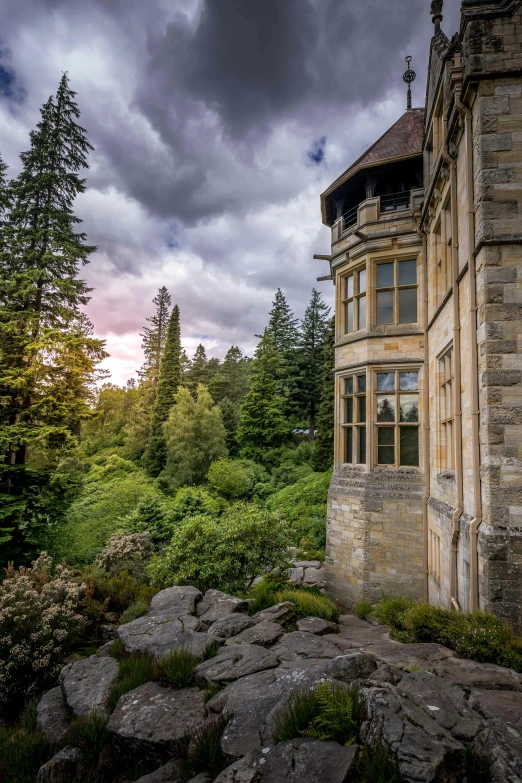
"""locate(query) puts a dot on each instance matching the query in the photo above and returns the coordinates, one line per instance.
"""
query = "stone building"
(426, 259)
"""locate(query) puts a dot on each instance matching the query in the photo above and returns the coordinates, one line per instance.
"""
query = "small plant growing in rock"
(310, 604)
(376, 765)
(89, 734)
(362, 608)
(135, 610)
(135, 670)
(204, 753)
(176, 669)
(117, 649)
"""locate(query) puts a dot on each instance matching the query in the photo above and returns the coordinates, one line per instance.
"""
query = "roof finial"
(409, 77)
(436, 14)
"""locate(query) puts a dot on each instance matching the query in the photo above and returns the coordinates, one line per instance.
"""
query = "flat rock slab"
(179, 601)
(86, 684)
(295, 575)
(487, 676)
(300, 644)
(67, 766)
(296, 761)
(280, 613)
(358, 665)
(407, 656)
(151, 720)
(264, 634)
(195, 642)
(215, 605)
(156, 633)
(498, 704)
(315, 576)
(168, 773)
(317, 626)
(234, 662)
(52, 716)
(231, 625)
(308, 564)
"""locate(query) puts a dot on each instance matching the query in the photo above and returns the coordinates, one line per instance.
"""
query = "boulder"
(234, 662)
(150, 721)
(195, 642)
(502, 744)
(280, 613)
(317, 626)
(52, 716)
(300, 644)
(357, 665)
(87, 683)
(168, 773)
(295, 761)
(264, 634)
(215, 605)
(156, 634)
(67, 766)
(315, 577)
(179, 601)
(295, 575)
(307, 564)
(231, 625)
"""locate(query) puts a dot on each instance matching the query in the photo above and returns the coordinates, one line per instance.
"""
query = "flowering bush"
(39, 619)
(127, 552)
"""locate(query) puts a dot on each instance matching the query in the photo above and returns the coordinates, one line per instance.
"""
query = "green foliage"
(310, 358)
(122, 590)
(189, 502)
(154, 337)
(362, 608)
(128, 552)
(324, 439)
(303, 506)
(205, 754)
(288, 473)
(150, 515)
(226, 553)
(231, 380)
(135, 610)
(325, 713)
(230, 416)
(376, 765)
(135, 670)
(309, 604)
(89, 734)
(176, 669)
(230, 479)
(213, 690)
(195, 437)
(480, 636)
(117, 649)
(22, 753)
(199, 371)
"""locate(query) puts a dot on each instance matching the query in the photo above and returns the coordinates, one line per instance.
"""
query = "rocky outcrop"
(217, 605)
(234, 662)
(53, 718)
(317, 626)
(264, 634)
(231, 625)
(86, 684)
(67, 766)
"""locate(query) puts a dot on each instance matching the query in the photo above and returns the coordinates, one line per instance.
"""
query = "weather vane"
(409, 77)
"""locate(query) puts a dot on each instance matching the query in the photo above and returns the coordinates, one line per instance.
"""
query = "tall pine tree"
(323, 455)
(199, 371)
(283, 330)
(154, 458)
(310, 358)
(154, 336)
(231, 380)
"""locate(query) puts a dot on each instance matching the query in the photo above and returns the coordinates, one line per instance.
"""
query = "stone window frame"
(446, 423)
(396, 288)
(434, 551)
(354, 298)
(396, 369)
(354, 406)
(441, 243)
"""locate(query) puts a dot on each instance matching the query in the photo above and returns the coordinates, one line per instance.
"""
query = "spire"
(409, 77)
(436, 14)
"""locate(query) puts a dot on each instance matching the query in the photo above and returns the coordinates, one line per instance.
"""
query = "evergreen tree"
(199, 371)
(169, 381)
(282, 327)
(323, 455)
(154, 336)
(185, 367)
(263, 424)
(232, 378)
(230, 415)
(310, 358)
(48, 356)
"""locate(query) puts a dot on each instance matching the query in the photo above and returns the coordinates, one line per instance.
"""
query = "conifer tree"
(231, 380)
(230, 415)
(310, 358)
(198, 372)
(263, 424)
(154, 458)
(154, 336)
(323, 455)
(185, 367)
(282, 327)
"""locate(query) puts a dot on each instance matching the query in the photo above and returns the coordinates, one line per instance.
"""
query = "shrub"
(324, 713)
(128, 552)
(39, 620)
(135, 670)
(362, 608)
(149, 516)
(89, 733)
(205, 754)
(229, 478)
(303, 506)
(189, 502)
(176, 669)
(288, 473)
(22, 753)
(309, 604)
(226, 553)
(135, 610)
(389, 611)
(122, 591)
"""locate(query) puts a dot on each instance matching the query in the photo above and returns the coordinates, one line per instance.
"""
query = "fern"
(338, 718)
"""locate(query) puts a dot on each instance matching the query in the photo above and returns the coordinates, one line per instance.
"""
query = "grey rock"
(317, 626)
(300, 644)
(231, 625)
(52, 716)
(386, 673)
(308, 564)
(179, 601)
(215, 605)
(357, 665)
(470, 674)
(315, 576)
(86, 684)
(295, 575)
(234, 662)
(195, 642)
(150, 720)
(168, 773)
(264, 634)
(407, 656)
(503, 745)
(504, 705)
(280, 613)
(156, 634)
(104, 650)
(201, 778)
(295, 761)
(67, 766)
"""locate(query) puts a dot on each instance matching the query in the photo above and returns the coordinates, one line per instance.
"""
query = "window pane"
(362, 281)
(362, 312)
(385, 447)
(349, 410)
(385, 275)
(349, 317)
(348, 445)
(349, 287)
(385, 307)
(409, 446)
(407, 305)
(385, 436)
(409, 407)
(409, 381)
(348, 385)
(362, 446)
(407, 272)
(385, 408)
(362, 409)
(386, 381)
(361, 384)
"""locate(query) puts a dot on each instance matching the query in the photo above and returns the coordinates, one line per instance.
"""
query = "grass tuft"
(117, 649)
(213, 690)
(307, 601)
(376, 765)
(89, 734)
(22, 753)
(478, 765)
(135, 670)
(135, 610)
(362, 608)
(204, 753)
(176, 669)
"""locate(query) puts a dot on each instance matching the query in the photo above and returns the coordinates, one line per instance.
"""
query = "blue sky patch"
(317, 153)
